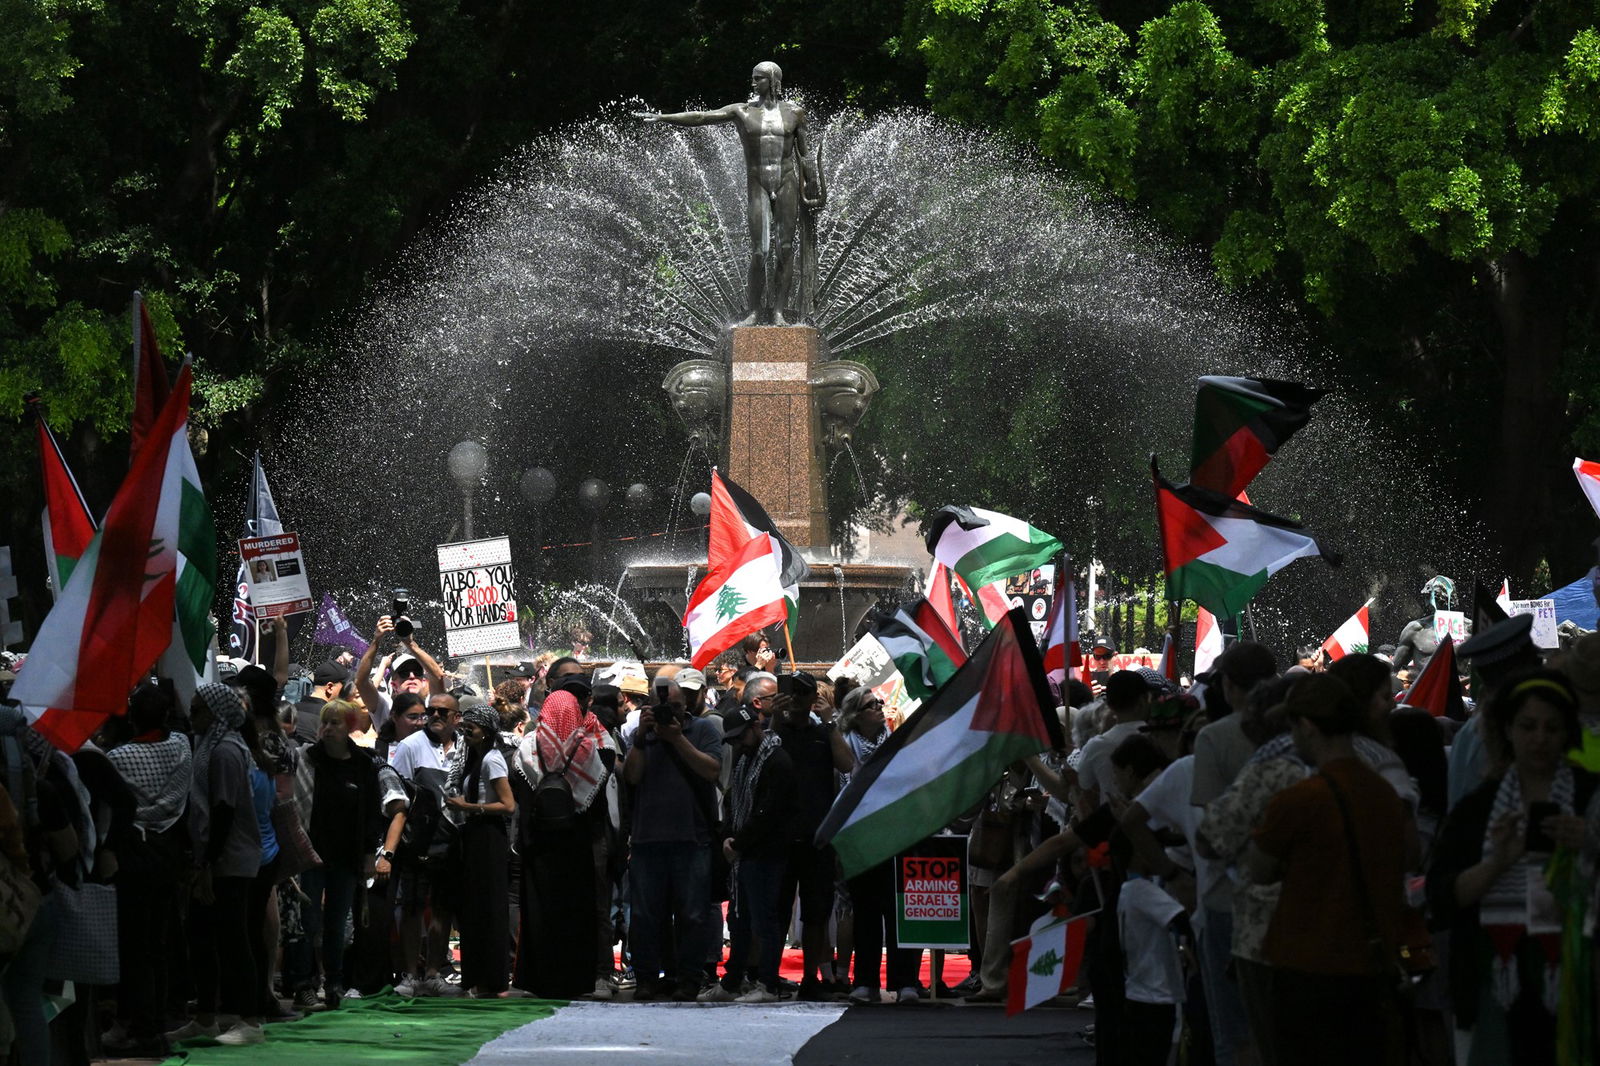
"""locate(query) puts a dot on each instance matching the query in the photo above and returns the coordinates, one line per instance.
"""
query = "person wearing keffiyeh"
(764, 800)
(480, 791)
(1507, 875)
(158, 767)
(564, 943)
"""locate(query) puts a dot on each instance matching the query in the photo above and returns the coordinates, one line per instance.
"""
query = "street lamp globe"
(638, 496)
(467, 463)
(594, 494)
(538, 485)
(700, 504)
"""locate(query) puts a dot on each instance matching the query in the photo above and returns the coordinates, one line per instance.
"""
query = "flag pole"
(789, 641)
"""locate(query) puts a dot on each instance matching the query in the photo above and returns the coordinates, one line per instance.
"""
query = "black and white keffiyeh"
(159, 774)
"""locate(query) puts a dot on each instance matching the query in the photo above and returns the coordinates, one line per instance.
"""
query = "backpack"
(429, 837)
(553, 806)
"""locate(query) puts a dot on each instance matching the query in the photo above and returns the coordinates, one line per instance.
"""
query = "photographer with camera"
(672, 767)
(411, 670)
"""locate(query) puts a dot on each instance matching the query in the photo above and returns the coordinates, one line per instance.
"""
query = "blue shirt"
(264, 795)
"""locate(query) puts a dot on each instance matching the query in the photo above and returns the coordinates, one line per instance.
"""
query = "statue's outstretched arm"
(691, 118)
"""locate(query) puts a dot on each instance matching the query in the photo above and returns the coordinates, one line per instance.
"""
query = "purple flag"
(333, 627)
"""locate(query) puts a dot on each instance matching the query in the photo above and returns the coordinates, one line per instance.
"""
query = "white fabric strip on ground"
(722, 1035)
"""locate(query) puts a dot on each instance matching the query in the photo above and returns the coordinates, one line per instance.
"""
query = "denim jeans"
(1230, 1029)
(670, 880)
(331, 893)
(756, 915)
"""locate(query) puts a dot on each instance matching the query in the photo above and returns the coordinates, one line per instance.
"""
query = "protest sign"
(275, 573)
(868, 663)
(1544, 620)
(1452, 624)
(1032, 590)
(480, 603)
(930, 885)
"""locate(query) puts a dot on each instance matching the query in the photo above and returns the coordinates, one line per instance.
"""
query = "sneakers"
(986, 995)
(352, 993)
(715, 993)
(406, 988)
(193, 1030)
(812, 992)
(909, 995)
(1087, 1002)
(242, 1035)
(603, 989)
(865, 995)
(966, 988)
(438, 986)
(759, 994)
(306, 1001)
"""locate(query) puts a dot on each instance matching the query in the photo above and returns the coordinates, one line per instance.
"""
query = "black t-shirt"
(811, 750)
(308, 720)
(336, 809)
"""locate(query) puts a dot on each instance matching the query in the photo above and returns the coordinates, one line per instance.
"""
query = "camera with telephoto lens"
(399, 610)
(662, 709)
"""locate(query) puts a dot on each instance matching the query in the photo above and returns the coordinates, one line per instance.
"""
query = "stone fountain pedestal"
(774, 441)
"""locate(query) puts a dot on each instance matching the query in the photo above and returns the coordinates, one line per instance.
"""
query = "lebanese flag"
(1438, 690)
(1588, 475)
(1352, 638)
(1168, 666)
(1239, 423)
(736, 516)
(1207, 641)
(941, 600)
(740, 595)
(1219, 552)
(68, 524)
(948, 753)
(1045, 963)
(150, 387)
(1061, 635)
(145, 579)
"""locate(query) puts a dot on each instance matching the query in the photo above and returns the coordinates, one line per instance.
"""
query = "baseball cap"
(690, 678)
(736, 720)
(329, 672)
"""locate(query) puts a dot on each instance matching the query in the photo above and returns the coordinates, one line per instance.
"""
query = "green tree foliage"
(1422, 175)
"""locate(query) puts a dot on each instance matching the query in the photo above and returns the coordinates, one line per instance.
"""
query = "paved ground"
(936, 1035)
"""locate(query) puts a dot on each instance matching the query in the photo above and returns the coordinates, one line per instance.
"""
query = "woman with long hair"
(479, 791)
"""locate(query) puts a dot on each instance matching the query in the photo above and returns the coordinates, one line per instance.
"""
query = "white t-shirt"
(492, 769)
(1154, 970)
(1094, 769)
(1166, 800)
(417, 751)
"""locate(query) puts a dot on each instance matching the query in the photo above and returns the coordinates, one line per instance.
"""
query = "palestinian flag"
(150, 387)
(68, 524)
(1045, 963)
(1218, 551)
(1588, 475)
(1239, 423)
(924, 650)
(1168, 666)
(948, 753)
(740, 595)
(989, 600)
(1207, 641)
(145, 579)
(1352, 638)
(1438, 690)
(735, 518)
(985, 547)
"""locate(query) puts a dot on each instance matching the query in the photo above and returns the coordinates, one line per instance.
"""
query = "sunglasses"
(1102, 655)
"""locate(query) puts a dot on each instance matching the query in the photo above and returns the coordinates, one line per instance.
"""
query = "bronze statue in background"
(784, 192)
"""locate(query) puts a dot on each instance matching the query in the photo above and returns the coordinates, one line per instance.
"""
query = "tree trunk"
(1532, 412)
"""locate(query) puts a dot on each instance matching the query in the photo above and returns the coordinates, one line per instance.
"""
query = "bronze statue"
(844, 388)
(698, 389)
(784, 179)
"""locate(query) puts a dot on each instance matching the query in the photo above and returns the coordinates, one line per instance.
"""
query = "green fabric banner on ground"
(382, 1029)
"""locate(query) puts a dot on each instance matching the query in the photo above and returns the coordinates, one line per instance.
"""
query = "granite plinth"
(774, 433)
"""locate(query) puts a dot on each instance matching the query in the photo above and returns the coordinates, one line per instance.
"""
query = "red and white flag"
(1207, 641)
(941, 600)
(1352, 638)
(1062, 655)
(1168, 666)
(990, 599)
(1503, 600)
(740, 595)
(150, 386)
(1588, 474)
(1045, 963)
(145, 581)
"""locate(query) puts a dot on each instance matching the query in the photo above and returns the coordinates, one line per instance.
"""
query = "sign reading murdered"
(480, 603)
(930, 885)
(276, 575)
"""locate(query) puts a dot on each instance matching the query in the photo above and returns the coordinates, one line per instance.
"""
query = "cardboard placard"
(275, 575)
(479, 597)
(1544, 620)
(868, 663)
(1450, 623)
(1032, 590)
(930, 894)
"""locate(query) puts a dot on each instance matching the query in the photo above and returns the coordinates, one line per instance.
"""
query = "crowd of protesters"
(1275, 866)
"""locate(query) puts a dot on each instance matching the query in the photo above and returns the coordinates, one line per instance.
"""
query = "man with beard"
(427, 891)
(411, 670)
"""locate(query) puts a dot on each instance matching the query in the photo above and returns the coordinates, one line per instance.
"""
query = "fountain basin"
(833, 601)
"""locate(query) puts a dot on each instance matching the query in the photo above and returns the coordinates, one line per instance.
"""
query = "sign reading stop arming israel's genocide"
(931, 894)
(480, 604)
